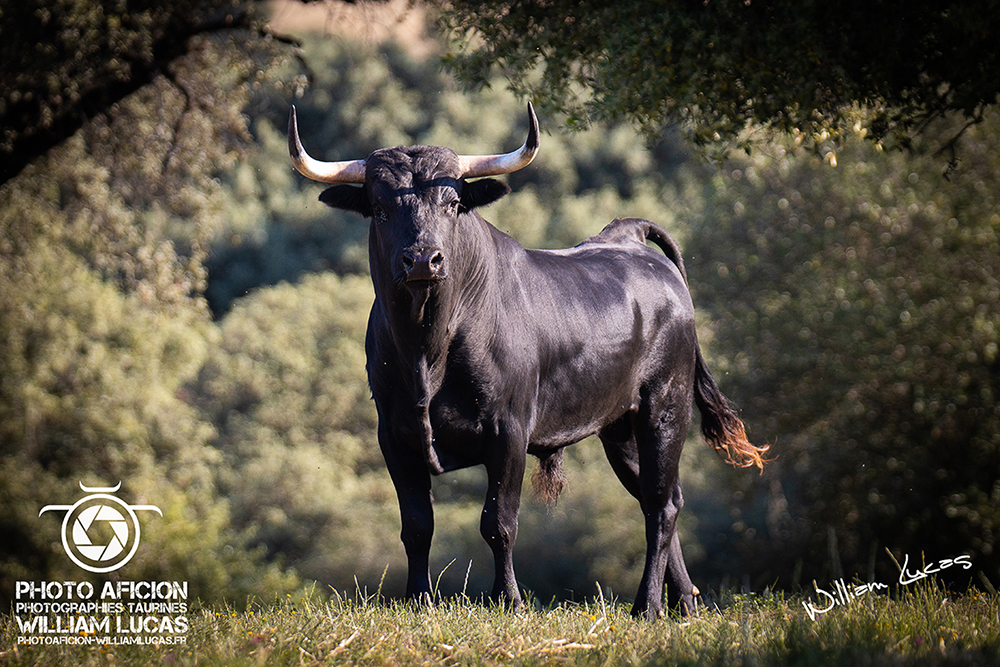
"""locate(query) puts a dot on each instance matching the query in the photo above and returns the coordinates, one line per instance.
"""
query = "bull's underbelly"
(569, 410)
(462, 443)
(545, 413)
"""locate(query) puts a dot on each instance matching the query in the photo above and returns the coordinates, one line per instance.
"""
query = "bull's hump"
(623, 231)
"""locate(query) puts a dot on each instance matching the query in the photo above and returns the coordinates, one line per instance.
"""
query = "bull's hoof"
(508, 603)
(507, 598)
(649, 613)
(687, 606)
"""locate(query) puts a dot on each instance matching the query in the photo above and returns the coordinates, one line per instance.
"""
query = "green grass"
(918, 625)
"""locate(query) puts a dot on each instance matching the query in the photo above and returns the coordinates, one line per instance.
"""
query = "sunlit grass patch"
(915, 625)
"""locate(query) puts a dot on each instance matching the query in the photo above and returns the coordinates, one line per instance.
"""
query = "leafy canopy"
(67, 62)
(816, 68)
(855, 313)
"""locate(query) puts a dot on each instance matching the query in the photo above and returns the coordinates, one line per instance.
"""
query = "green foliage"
(287, 393)
(67, 62)
(90, 373)
(102, 325)
(724, 67)
(859, 311)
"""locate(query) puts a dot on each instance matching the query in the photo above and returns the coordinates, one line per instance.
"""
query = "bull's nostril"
(422, 265)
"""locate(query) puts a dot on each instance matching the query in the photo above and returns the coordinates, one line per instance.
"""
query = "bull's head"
(416, 197)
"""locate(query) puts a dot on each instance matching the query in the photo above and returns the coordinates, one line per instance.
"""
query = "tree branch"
(32, 134)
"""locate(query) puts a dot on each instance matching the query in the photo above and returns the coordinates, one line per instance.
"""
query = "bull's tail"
(721, 426)
(549, 479)
(666, 244)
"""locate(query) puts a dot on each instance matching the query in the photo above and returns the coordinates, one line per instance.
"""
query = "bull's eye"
(453, 206)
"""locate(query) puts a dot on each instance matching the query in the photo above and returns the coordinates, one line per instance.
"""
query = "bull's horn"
(491, 165)
(347, 171)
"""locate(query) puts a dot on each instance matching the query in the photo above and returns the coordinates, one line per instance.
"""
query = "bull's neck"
(425, 322)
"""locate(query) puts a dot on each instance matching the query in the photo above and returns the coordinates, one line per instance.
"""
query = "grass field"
(917, 625)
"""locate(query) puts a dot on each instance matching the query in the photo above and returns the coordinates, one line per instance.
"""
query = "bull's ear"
(482, 192)
(347, 197)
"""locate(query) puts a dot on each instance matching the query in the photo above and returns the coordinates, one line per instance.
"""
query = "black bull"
(481, 352)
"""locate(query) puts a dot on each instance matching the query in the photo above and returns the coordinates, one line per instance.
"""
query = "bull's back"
(610, 316)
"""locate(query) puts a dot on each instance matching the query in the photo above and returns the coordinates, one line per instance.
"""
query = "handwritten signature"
(844, 593)
(906, 578)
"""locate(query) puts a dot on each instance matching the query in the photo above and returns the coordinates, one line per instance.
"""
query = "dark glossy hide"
(481, 352)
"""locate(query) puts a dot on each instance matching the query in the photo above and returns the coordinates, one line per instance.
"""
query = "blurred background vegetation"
(180, 313)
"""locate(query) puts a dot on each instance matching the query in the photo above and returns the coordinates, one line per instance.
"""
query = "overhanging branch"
(32, 134)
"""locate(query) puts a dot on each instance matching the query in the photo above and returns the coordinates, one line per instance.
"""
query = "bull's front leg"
(505, 471)
(413, 490)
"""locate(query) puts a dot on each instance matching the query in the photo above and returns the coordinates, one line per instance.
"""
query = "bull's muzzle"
(421, 266)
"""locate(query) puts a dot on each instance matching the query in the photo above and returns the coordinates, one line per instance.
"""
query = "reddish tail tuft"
(721, 426)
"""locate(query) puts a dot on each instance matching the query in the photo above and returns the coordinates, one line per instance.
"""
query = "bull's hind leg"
(647, 466)
(680, 590)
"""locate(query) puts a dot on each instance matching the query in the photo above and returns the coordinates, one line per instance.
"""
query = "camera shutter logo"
(100, 532)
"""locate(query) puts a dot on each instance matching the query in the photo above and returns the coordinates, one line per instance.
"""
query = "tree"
(857, 315)
(99, 332)
(103, 324)
(64, 63)
(722, 68)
